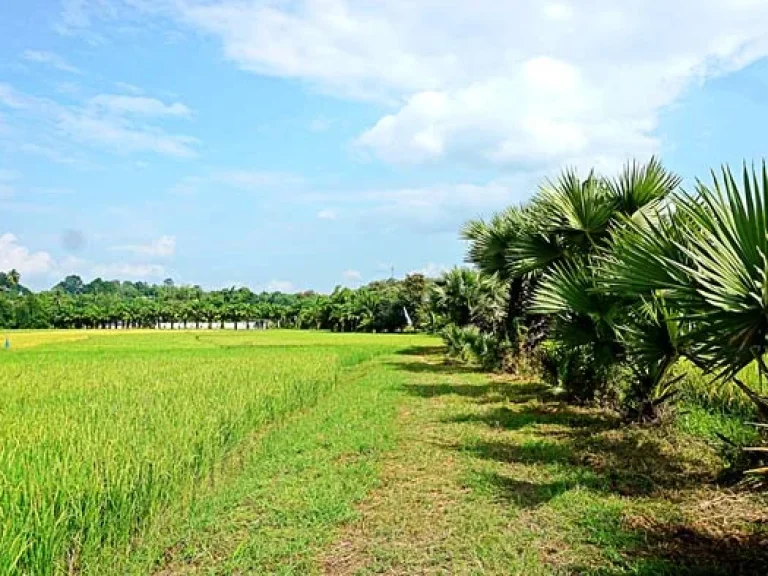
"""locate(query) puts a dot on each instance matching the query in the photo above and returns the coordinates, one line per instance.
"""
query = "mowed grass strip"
(100, 435)
(492, 476)
(287, 490)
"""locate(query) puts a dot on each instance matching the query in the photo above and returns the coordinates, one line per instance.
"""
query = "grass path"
(272, 506)
(493, 477)
(414, 467)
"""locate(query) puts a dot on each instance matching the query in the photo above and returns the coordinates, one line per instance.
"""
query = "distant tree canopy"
(379, 306)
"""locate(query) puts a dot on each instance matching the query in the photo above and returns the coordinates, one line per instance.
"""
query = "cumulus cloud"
(165, 246)
(499, 83)
(13, 254)
(37, 268)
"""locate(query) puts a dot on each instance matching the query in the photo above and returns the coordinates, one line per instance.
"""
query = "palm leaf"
(640, 185)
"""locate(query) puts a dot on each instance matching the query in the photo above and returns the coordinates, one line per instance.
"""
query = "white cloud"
(127, 271)
(186, 186)
(283, 286)
(126, 87)
(352, 276)
(124, 137)
(443, 207)
(51, 153)
(11, 98)
(255, 179)
(557, 10)
(28, 263)
(320, 124)
(94, 125)
(431, 270)
(327, 214)
(50, 59)
(40, 266)
(68, 88)
(165, 246)
(120, 104)
(501, 83)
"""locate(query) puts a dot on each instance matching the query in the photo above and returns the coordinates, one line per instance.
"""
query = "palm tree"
(573, 225)
(14, 278)
(489, 245)
(708, 258)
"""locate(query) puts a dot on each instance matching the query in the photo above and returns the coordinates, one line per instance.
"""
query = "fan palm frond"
(640, 185)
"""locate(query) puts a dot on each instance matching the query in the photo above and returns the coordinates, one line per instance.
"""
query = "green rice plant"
(699, 388)
(99, 435)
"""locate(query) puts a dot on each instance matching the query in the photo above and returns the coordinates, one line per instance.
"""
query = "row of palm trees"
(631, 274)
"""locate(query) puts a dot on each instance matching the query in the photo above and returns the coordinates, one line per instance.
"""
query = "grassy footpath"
(493, 477)
(272, 506)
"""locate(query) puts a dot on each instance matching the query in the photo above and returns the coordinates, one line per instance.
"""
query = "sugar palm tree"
(489, 244)
(574, 223)
(711, 265)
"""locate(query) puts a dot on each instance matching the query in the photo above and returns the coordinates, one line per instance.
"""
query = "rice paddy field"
(288, 452)
(102, 431)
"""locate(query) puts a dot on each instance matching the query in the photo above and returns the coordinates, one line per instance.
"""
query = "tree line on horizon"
(376, 307)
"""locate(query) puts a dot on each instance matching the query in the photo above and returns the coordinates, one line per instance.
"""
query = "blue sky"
(300, 144)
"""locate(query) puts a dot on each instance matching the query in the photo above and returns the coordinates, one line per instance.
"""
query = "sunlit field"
(100, 431)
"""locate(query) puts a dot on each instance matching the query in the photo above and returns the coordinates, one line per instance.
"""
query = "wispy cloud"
(107, 123)
(139, 105)
(124, 137)
(186, 186)
(128, 271)
(431, 270)
(320, 124)
(50, 59)
(327, 214)
(256, 179)
(6, 175)
(68, 88)
(352, 276)
(58, 156)
(164, 247)
(130, 88)
(240, 179)
(7, 190)
(284, 286)
(11, 98)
